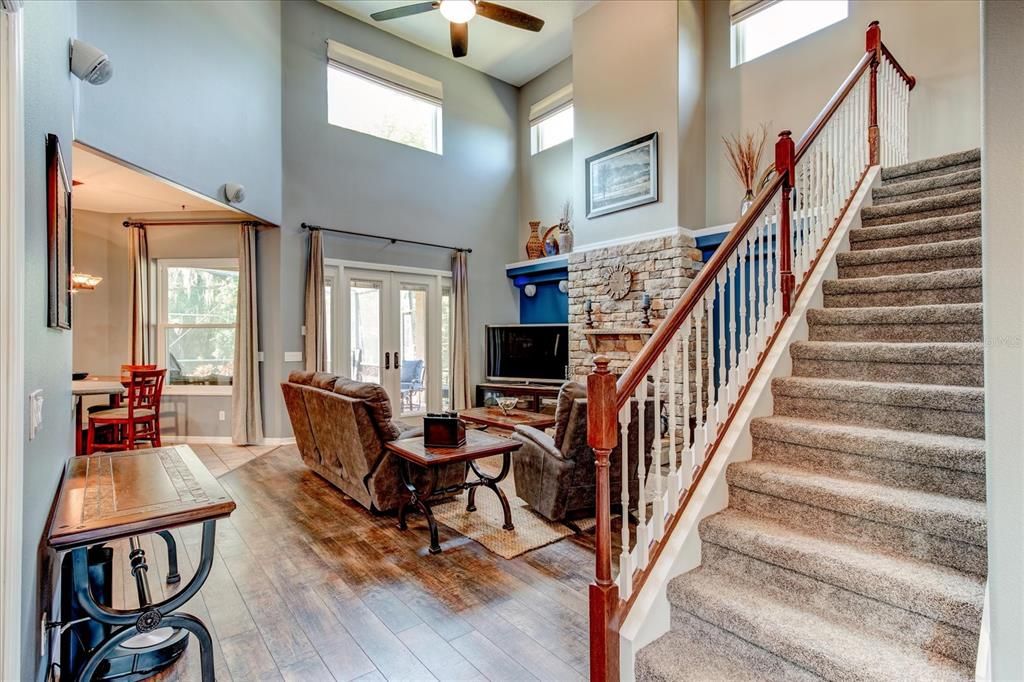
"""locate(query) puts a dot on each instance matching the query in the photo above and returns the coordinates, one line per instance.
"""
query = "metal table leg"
(492, 483)
(420, 500)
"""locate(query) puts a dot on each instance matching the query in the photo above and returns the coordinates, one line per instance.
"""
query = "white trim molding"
(12, 324)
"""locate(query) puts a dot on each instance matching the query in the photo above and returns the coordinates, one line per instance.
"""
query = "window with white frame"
(369, 95)
(551, 120)
(197, 319)
(761, 26)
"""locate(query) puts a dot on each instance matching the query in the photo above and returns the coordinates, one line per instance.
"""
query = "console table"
(533, 393)
(106, 497)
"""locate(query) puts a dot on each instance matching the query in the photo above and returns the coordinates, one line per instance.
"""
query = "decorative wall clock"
(620, 279)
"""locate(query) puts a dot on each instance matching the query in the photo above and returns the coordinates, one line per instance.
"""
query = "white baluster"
(642, 538)
(731, 291)
(658, 509)
(710, 413)
(722, 394)
(698, 435)
(746, 306)
(762, 293)
(673, 425)
(625, 558)
(687, 445)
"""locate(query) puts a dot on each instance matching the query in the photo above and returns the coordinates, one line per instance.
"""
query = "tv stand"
(534, 394)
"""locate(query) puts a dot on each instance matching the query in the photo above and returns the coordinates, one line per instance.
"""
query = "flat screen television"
(527, 352)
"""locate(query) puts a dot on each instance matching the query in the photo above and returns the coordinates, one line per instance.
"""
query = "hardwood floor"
(307, 585)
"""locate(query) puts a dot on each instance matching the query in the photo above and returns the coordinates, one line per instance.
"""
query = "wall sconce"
(563, 286)
(530, 290)
(645, 306)
(588, 309)
(80, 281)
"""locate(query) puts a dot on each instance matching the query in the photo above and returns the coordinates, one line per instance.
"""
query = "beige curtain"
(460, 331)
(143, 318)
(246, 412)
(316, 347)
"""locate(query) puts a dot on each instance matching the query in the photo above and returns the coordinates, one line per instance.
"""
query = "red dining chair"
(138, 420)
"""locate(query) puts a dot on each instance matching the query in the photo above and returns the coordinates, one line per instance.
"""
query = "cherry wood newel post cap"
(873, 37)
(601, 408)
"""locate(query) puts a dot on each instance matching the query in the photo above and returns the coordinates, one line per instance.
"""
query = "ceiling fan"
(459, 12)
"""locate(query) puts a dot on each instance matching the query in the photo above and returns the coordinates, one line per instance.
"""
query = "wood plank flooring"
(307, 585)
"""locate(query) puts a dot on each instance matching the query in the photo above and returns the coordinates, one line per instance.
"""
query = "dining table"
(110, 386)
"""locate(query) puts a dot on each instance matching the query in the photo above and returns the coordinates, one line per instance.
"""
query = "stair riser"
(892, 539)
(894, 372)
(873, 613)
(886, 471)
(919, 215)
(953, 422)
(907, 267)
(906, 297)
(912, 239)
(898, 333)
(935, 172)
(924, 194)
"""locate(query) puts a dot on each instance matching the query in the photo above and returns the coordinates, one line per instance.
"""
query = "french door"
(391, 327)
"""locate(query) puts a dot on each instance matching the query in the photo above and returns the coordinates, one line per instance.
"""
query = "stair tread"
(943, 201)
(959, 221)
(912, 353)
(929, 251)
(940, 279)
(931, 396)
(930, 449)
(953, 313)
(930, 513)
(934, 163)
(826, 645)
(910, 186)
(696, 650)
(930, 589)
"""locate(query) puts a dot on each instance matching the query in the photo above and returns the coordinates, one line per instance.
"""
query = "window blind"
(742, 9)
(551, 104)
(379, 69)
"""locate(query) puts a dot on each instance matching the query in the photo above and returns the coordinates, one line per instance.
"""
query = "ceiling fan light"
(458, 11)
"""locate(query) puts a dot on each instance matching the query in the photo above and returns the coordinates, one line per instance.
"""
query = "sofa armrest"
(531, 436)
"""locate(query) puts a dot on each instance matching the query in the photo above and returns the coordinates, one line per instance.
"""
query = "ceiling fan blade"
(509, 16)
(407, 11)
(460, 39)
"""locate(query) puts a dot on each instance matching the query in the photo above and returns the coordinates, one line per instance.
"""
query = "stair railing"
(696, 368)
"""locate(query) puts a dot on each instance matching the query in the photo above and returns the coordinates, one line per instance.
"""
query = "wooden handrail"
(818, 124)
(910, 80)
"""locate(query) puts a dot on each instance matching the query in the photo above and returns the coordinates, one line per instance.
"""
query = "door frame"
(12, 328)
(334, 271)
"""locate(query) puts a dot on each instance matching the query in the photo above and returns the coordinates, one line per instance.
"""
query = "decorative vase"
(534, 245)
(565, 237)
(748, 200)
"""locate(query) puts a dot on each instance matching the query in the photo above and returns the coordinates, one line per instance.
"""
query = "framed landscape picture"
(58, 236)
(623, 177)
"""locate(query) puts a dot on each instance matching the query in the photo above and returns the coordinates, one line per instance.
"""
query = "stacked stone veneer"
(662, 267)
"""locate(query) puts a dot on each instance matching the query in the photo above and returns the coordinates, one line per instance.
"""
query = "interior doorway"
(391, 326)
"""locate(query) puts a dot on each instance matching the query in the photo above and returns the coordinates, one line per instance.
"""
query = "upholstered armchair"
(555, 474)
(341, 427)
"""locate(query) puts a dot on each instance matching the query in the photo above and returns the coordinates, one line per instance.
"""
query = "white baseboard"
(650, 616)
(220, 440)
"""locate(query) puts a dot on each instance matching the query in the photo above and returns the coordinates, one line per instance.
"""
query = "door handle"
(387, 360)
(396, 359)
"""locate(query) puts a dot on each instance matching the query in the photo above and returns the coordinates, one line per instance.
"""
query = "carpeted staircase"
(853, 547)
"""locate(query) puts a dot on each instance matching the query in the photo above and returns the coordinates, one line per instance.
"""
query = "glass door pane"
(413, 301)
(365, 298)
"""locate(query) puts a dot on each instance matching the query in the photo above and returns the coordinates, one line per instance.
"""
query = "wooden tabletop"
(103, 497)
(97, 386)
(478, 444)
(493, 416)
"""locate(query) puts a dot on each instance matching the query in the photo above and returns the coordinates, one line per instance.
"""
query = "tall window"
(762, 26)
(198, 309)
(551, 120)
(375, 97)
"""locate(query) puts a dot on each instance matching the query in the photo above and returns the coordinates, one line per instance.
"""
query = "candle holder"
(588, 309)
(645, 306)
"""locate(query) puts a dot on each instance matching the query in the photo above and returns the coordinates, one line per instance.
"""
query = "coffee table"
(493, 417)
(412, 451)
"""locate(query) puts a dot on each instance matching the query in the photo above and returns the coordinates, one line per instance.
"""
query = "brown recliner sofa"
(555, 474)
(341, 427)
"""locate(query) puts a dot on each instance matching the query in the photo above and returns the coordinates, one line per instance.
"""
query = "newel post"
(604, 593)
(874, 46)
(785, 150)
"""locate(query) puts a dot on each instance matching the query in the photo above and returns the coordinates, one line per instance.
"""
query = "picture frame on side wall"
(58, 237)
(623, 177)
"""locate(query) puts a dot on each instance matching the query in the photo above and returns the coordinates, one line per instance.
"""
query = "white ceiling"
(109, 187)
(510, 54)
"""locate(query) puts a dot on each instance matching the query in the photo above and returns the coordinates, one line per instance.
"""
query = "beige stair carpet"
(853, 547)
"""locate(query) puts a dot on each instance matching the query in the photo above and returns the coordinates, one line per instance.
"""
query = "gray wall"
(102, 336)
(1003, 253)
(337, 177)
(545, 179)
(935, 41)
(196, 93)
(49, 93)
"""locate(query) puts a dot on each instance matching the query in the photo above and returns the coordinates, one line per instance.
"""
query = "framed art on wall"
(623, 177)
(58, 236)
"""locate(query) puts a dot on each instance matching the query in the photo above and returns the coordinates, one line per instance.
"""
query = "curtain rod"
(205, 221)
(393, 240)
